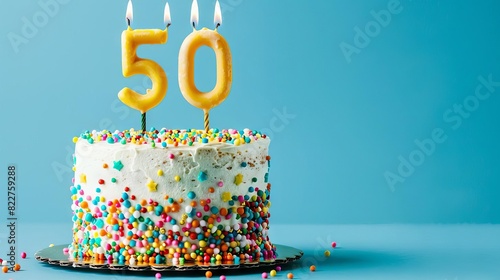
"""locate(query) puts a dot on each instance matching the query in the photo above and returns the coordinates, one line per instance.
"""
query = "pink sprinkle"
(23, 255)
(222, 277)
(171, 156)
(89, 198)
(220, 184)
(264, 275)
(278, 268)
(158, 275)
(81, 192)
(334, 244)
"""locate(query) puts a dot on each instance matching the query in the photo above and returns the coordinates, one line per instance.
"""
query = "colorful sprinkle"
(208, 274)
(202, 176)
(327, 253)
(289, 276)
(83, 178)
(191, 195)
(118, 165)
(23, 255)
(272, 273)
(238, 179)
(334, 244)
(151, 185)
(312, 268)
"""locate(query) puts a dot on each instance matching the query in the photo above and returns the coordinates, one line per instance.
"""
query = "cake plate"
(55, 256)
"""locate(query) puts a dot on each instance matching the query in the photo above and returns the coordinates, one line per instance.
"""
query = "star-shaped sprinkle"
(238, 179)
(83, 178)
(118, 165)
(202, 176)
(226, 196)
(151, 185)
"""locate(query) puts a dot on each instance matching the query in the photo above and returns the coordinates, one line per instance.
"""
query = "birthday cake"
(171, 196)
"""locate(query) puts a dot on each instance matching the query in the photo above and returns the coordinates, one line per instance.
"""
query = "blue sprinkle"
(202, 176)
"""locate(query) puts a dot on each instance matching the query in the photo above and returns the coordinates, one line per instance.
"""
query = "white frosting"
(220, 162)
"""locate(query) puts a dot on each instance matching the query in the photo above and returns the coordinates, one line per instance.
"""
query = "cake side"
(171, 195)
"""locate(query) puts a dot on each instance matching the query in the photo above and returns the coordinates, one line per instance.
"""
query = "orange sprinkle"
(223, 211)
(104, 165)
(211, 190)
(193, 203)
(195, 223)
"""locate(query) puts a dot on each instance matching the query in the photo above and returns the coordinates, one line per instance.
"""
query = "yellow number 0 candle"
(212, 39)
(134, 65)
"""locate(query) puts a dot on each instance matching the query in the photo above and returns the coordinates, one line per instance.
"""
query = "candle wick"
(168, 24)
(217, 26)
(194, 25)
(128, 21)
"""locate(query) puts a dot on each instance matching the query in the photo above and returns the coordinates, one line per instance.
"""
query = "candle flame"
(166, 15)
(130, 12)
(194, 13)
(217, 15)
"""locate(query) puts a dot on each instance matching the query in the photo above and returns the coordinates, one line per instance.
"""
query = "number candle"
(212, 39)
(134, 65)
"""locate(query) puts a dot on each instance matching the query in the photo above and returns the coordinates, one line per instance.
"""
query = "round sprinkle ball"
(5, 269)
(312, 268)
(23, 255)
(327, 253)
(222, 277)
(51, 245)
(208, 274)
(272, 273)
(158, 275)
(334, 244)
(278, 268)
(17, 267)
(264, 275)
(289, 276)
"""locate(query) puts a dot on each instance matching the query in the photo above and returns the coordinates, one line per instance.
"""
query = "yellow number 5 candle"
(134, 65)
(212, 39)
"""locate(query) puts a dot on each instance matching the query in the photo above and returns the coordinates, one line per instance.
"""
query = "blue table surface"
(452, 252)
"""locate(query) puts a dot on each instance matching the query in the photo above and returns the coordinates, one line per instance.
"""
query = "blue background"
(351, 118)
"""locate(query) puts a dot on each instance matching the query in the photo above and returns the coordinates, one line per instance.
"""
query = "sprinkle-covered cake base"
(171, 196)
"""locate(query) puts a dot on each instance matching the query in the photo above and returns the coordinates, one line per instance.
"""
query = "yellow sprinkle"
(51, 245)
(151, 185)
(83, 178)
(226, 196)
(74, 168)
(160, 172)
(327, 253)
(238, 179)
(177, 178)
(75, 139)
